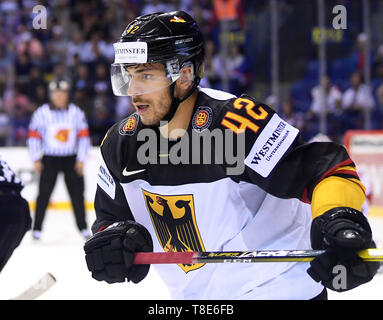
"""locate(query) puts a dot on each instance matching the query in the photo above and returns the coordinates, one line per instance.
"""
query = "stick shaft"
(242, 256)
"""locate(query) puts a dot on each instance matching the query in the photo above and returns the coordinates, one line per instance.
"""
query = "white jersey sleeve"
(35, 134)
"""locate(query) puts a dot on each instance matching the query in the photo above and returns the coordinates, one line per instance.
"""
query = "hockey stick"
(38, 288)
(242, 256)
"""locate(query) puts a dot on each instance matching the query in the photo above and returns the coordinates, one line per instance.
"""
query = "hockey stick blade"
(242, 256)
(38, 288)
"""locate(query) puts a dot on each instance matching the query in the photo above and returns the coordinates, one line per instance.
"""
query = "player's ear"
(185, 81)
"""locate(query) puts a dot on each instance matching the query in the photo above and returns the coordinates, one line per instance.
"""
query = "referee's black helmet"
(59, 84)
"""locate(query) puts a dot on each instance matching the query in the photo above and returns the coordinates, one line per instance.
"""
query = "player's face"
(153, 105)
(60, 98)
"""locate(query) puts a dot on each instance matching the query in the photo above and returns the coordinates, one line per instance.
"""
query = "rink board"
(19, 160)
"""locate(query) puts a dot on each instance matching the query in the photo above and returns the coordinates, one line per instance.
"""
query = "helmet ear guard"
(175, 100)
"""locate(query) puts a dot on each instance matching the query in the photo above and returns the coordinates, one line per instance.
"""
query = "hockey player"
(290, 195)
(15, 219)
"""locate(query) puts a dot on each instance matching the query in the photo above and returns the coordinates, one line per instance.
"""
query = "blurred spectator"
(228, 12)
(273, 103)
(361, 51)
(288, 114)
(22, 37)
(36, 50)
(4, 60)
(82, 80)
(124, 107)
(57, 48)
(3, 85)
(40, 96)
(93, 50)
(379, 96)
(19, 122)
(185, 5)
(18, 109)
(4, 127)
(202, 16)
(330, 104)
(377, 67)
(102, 79)
(3, 39)
(103, 100)
(36, 87)
(332, 98)
(29, 44)
(129, 15)
(107, 23)
(355, 101)
(23, 67)
(59, 71)
(238, 68)
(308, 129)
(26, 43)
(84, 101)
(234, 68)
(99, 123)
(152, 6)
(103, 90)
(211, 64)
(8, 6)
(107, 50)
(75, 48)
(15, 97)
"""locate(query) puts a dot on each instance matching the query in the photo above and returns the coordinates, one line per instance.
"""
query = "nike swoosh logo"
(129, 173)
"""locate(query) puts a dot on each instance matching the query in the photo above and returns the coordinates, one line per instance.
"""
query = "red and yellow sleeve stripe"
(338, 187)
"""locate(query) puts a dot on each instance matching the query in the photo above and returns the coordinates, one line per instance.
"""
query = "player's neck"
(177, 126)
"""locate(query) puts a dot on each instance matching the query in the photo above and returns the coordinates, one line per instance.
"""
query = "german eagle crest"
(173, 218)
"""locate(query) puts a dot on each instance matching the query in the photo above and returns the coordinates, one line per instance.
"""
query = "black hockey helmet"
(58, 84)
(171, 38)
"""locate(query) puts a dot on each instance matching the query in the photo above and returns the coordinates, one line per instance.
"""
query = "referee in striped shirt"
(58, 141)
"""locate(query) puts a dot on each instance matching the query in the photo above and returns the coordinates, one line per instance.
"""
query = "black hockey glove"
(110, 252)
(342, 232)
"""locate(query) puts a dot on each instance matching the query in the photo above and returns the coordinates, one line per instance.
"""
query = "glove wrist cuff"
(335, 220)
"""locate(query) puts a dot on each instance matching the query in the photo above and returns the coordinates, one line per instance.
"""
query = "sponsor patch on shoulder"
(105, 180)
(271, 145)
(128, 127)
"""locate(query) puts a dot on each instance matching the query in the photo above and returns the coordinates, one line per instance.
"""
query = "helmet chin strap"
(176, 101)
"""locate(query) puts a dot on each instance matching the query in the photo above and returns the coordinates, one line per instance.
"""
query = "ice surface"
(60, 251)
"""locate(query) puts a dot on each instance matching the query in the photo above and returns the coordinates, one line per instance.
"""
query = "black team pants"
(74, 183)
